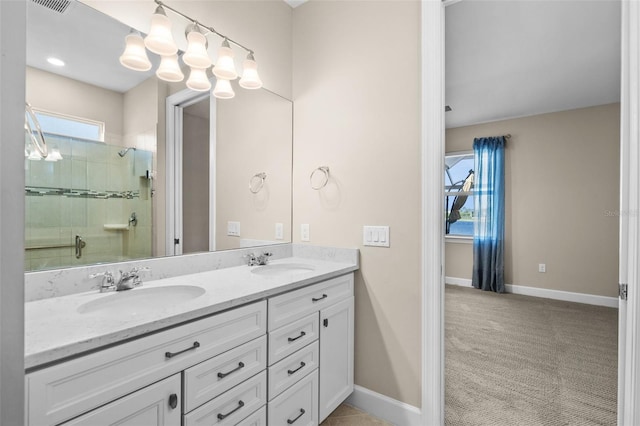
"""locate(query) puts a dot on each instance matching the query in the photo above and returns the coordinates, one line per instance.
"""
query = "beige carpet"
(520, 360)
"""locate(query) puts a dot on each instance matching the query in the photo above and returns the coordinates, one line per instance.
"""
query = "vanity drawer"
(291, 369)
(298, 405)
(210, 378)
(232, 406)
(296, 304)
(259, 418)
(293, 337)
(65, 390)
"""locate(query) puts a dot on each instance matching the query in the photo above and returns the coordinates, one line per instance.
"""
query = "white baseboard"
(589, 299)
(385, 408)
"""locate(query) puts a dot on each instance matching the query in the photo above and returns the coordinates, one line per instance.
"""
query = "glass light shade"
(250, 78)
(196, 55)
(54, 155)
(34, 156)
(198, 80)
(223, 89)
(169, 69)
(159, 40)
(135, 55)
(225, 68)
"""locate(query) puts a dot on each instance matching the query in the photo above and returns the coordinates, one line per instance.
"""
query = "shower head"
(123, 152)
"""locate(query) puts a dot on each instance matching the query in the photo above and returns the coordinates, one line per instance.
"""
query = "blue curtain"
(488, 235)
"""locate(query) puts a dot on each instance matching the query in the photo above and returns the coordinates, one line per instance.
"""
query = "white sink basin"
(141, 300)
(282, 269)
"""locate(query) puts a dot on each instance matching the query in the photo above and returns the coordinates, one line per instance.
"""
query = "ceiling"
(507, 59)
(88, 41)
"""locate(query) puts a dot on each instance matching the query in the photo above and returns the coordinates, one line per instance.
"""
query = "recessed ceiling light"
(55, 61)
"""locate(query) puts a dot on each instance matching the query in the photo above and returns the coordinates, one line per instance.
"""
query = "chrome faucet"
(131, 279)
(261, 259)
(125, 281)
(108, 282)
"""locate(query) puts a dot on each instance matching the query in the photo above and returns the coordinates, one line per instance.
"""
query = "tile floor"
(346, 415)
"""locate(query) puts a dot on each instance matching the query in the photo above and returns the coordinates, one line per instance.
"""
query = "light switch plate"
(304, 232)
(233, 229)
(279, 231)
(375, 236)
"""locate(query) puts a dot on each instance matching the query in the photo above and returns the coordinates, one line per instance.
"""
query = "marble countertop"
(55, 328)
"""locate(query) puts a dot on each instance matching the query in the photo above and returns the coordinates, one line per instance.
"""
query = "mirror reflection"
(104, 192)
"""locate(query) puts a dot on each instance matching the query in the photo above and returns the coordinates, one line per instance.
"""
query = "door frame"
(175, 105)
(432, 143)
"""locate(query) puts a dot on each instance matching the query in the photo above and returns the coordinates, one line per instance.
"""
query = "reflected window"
(64, 125)
(458, 194)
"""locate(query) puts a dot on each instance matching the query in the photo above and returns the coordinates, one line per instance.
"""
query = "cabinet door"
(155, 405)
(336, 355)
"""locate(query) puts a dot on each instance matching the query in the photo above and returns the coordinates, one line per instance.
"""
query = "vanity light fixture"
(169, 69)
(250, 78)
(160, 41)
(223, 89)
(225, 68)
(196, 55)
(135, 56)
(198, 80)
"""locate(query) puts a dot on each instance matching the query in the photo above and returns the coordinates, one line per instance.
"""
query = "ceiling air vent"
(59, 6)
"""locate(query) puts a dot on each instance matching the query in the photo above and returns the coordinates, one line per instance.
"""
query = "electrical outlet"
(279, 231)
(304, 232)
(542, 267)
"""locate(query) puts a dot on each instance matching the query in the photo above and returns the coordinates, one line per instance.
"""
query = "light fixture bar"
(210, 29)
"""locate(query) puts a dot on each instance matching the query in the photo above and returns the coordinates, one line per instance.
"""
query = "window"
(65, 125)
(458, 194)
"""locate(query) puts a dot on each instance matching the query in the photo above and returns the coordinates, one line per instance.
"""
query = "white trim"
(385, 408)
(432, 169)
(458, 239)
(628, 327)
(212, 175)
(545, 293)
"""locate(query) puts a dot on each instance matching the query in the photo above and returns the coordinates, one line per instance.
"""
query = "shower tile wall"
(98, 177)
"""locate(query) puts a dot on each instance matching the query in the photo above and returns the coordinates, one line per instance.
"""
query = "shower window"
(64, 125)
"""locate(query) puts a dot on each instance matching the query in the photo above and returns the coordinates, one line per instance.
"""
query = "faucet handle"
(137, 269)
(267, 254)
(108, 283)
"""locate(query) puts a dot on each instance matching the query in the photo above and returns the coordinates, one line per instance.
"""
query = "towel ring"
(257, 182)
(38, 139)
(325, 171)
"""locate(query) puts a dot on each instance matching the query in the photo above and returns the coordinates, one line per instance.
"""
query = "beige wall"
(358, 114)
(562, 180)
(254, 135)
(54, 93)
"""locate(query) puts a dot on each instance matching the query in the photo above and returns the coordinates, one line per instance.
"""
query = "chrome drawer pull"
(290, 422)
(293, 339)
(290, 372)
(224, 416)
(223, 375)
(317, 299)
(172, 354)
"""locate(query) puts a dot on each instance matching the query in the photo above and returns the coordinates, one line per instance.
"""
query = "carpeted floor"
(520, 360)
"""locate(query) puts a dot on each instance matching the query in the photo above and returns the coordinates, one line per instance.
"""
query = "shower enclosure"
(89, 202)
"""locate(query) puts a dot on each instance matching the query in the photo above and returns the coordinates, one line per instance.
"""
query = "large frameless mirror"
(103, 192)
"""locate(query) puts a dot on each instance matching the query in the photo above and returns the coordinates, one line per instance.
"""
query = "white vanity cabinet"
(66, 390)
(286, 360)
(310, 351)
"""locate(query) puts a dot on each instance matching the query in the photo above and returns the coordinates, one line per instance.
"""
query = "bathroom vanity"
(261, 345)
